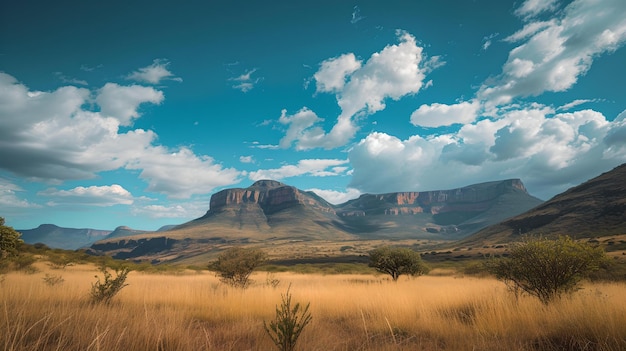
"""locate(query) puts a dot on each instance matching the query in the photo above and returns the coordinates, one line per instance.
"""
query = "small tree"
(9, 240)
(547, 268)
(104, 291)
(235, 265)
(397, 261)
(286, 328)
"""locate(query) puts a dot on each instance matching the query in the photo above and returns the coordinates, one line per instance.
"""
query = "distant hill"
(594, 208)
(269, 210)
(62, 238)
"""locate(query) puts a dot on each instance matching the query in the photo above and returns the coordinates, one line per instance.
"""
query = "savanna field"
(192, 310)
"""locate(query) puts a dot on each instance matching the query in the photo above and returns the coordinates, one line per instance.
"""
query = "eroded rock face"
(474, 198)
(271, 196)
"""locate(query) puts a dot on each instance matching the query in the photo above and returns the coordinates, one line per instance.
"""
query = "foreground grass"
(194, 311)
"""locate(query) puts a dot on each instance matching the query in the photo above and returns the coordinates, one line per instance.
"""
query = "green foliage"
(235, 265)
(9, 240)
(288, 324)
(397, 261)
(60, 261)
(104, 291)
(547, 268)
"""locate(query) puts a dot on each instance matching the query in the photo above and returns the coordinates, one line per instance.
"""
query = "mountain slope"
(62, 238)
(269, 212)
(594, 208)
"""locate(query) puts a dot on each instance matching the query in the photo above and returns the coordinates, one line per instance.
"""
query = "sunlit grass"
(193, 311)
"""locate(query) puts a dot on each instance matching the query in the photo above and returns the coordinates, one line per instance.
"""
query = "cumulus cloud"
(436, 115)
(181, 173)
(50, 136)
(104, 196)
(337, 197)
(549, 151)
(154, 74)
(557, 52)
(331, 77)
(310, 167)
(361, 89)
(121, 102)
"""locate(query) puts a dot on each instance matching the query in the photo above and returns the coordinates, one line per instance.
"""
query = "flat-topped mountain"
(269, 210)
(453, 213)
(593, 209)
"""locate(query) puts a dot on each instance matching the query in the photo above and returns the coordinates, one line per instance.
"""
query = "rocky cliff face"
(271, 196)
(473, 198)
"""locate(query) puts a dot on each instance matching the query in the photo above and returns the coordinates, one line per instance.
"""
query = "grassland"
(193, 311)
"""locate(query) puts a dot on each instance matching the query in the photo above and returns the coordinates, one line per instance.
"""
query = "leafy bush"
(547, 268)
(9, 240)
(235, 265)
(104, 291)
(288, 324)
(397, 261)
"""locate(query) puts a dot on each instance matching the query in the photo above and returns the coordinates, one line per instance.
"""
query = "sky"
(135, 112)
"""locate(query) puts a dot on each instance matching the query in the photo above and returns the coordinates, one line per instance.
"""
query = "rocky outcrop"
(474, 198)
(269, 195)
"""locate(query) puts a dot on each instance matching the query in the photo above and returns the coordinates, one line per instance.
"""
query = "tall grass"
(350, 312)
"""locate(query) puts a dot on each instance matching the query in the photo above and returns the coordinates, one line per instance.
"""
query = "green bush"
(104, 291)
(235, 265)
(9, 240)
(288, 324)
(397, 261)
(547, 268)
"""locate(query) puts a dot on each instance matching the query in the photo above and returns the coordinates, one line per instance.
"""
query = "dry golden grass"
(350, 312)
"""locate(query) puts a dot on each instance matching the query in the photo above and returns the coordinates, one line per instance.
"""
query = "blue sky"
(133, 113)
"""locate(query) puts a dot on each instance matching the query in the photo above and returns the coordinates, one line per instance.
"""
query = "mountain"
(594, 208)
(62, 238)
(270, 211)
(450, 214)
(122, 231)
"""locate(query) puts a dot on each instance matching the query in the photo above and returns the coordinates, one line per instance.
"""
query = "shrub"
(52, 280)
(9, 240)
(235, 265)
(288, 324)
(547, 268)
(397, 261)
(104, 291)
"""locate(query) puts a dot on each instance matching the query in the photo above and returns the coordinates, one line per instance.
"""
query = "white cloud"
(436, 115)
(246, 159)
(396, 71)
(573, 104)
(104, 196)
(311, 167)
(121, 102)
(245, 82)
(154, 74)
(181, 173)
(336, 197)
(356, 15)
(549, 152)
(49, 136)
(331, 77)
(556, 53)
(531, 8)
(185, 210)
(9, 197)
(69, 80)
